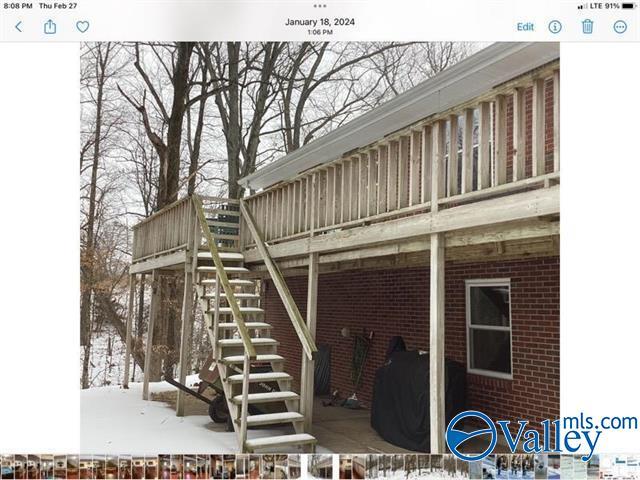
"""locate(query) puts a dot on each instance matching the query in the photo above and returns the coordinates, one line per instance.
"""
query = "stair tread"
(274, 418)
(267, 397)
(212, 269)
(223, 255)
(260, 377)
(280, 440)
(234, 325)
(232, 281)
(237, 295)
(232, 342)
(242, 309)
(259, 358)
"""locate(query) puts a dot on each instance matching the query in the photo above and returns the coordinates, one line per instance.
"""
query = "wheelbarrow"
(210, 378)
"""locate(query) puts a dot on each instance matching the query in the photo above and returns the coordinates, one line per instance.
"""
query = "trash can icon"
(587, 26)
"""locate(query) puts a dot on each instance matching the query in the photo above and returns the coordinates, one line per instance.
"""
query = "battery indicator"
(629, 6)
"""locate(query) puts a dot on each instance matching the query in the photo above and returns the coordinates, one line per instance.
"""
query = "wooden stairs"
(258, 391)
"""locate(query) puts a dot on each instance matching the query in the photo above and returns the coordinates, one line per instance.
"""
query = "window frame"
(488, 282)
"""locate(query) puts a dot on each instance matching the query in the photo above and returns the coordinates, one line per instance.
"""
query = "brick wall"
(396, 302)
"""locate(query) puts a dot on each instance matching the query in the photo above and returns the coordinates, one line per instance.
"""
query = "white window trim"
(488, 282)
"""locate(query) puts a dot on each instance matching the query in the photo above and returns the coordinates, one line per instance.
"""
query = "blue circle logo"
(456, 438)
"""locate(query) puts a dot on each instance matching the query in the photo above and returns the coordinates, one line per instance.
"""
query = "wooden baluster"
(519, 133)
(425, 170)
(537, 134)
(362, 189)
(372, 186)
(337, 194)
(308, 215)
(355, 187)
(556, 120)
(330, 197)
(322, 197)
(467, 152)
(438, 165)
(501, 140)
(392, 176)
(484, 150)
(346, 191)
(452, 164)
(414, 167)
(403, 171)
(383, 158)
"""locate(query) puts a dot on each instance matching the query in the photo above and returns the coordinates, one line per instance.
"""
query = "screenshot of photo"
(319, 240)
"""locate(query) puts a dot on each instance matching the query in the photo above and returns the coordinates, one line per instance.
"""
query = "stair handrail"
(299, 325)
(250, 350)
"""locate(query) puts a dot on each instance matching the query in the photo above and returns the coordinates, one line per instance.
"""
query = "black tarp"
(322, 371)
(400, 407)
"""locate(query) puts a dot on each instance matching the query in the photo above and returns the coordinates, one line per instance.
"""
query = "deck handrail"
(299, 325)
(250, 350)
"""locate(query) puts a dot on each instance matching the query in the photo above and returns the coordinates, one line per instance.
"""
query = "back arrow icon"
(18, 26)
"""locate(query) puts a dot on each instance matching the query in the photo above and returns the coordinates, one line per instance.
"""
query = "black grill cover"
(400, 408)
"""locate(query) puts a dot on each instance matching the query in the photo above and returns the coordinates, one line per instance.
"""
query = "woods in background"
(164, 120)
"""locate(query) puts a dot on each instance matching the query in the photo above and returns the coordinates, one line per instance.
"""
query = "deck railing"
(166, 231)
(503, 141)
(171, 229)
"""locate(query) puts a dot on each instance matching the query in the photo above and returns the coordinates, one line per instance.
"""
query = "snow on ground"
(115, 421)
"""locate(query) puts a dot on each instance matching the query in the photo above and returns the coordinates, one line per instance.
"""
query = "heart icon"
(82, 26)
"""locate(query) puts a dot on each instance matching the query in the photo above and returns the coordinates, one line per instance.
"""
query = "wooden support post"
(519, 133)
(537, 134)
(185, 335)
(500, 140)
(467, 152)
(484, 150)
(153, 312)
(556, 120)
(307, 374)
(436, 344)
(127, 355)
(244, 408)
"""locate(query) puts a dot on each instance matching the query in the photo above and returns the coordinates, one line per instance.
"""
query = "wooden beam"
(307, 374)
(153, 313)
(173, 259)
(537, 134)
(466, 183)
(436, 344)
(185, 337)
(127, 355)
(484, 150)
(519, 133)
(500, 147)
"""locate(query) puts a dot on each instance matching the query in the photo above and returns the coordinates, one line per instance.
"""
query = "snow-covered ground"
(114, 420)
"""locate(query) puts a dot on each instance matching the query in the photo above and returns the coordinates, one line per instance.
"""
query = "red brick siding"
(395, 302)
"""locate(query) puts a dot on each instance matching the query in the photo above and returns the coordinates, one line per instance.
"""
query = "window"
(489, 327)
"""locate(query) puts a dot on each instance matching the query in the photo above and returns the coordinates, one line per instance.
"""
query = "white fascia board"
(464, 81)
